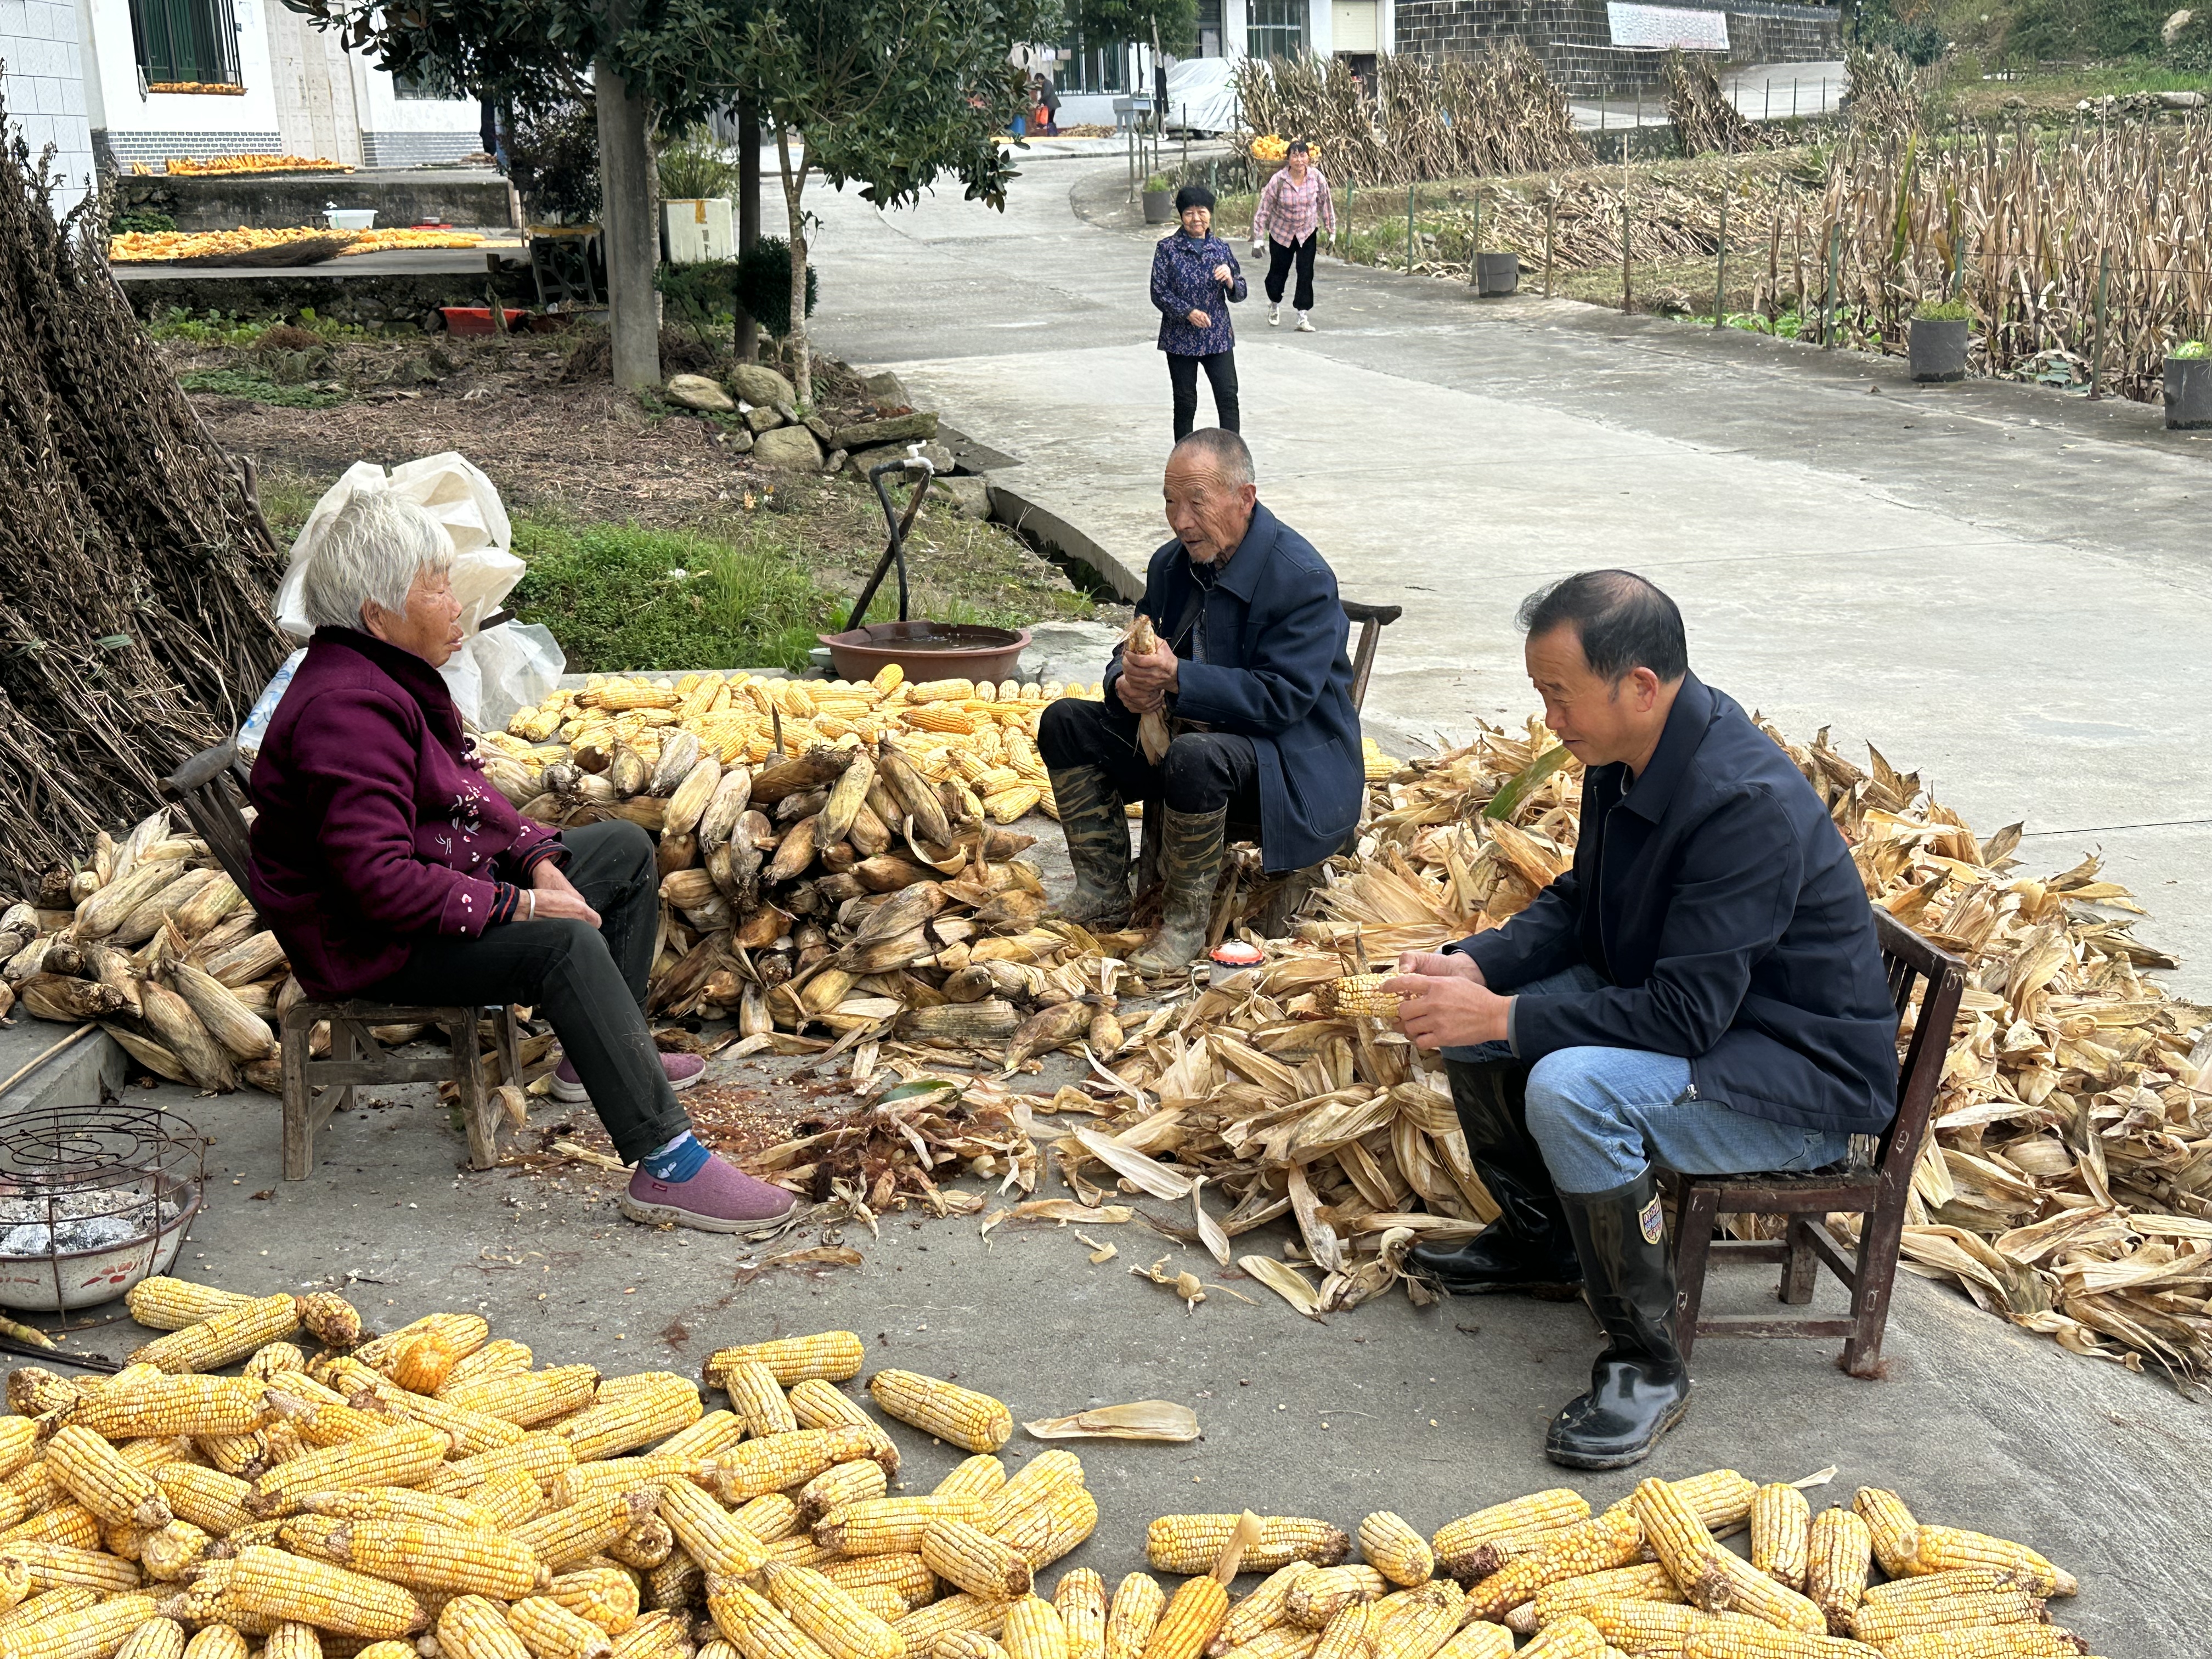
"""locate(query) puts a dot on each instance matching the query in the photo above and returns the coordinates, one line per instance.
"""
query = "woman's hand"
(1199, 319)
(1221, 274)
(553, 897)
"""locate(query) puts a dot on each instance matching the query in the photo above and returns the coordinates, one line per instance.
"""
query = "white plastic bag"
(513, 665)
(456, 494)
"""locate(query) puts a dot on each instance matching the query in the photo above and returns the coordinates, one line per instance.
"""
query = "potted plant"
(1159, 199)
(1939, 340)
(2189, 387)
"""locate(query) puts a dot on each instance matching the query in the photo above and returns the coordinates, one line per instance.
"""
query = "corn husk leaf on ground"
(1141, 1419)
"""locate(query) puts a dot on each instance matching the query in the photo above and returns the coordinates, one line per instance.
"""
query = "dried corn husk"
(147, 1053)
(64, 997)
(106, 910)
(212, 905)
(247, 1035)
(143, 923)
(179, 1029)
(255, 956)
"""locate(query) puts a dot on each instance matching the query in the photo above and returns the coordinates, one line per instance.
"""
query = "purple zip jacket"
(375, 826)
(1183, 281)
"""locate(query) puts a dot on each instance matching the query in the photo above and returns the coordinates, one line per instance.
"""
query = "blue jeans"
(1601, 1116)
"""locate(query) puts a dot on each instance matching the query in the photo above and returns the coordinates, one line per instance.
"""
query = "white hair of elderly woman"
(372, 552)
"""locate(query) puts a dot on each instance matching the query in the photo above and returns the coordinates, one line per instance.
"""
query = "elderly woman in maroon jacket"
(390, 869)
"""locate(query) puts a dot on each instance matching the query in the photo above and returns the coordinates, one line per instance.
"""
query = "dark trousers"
(589, 981)
(1280, 255)
(1220, 372)
(1203, 771)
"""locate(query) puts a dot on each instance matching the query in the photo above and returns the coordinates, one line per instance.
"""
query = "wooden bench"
(211, 787)
(1875, 1193)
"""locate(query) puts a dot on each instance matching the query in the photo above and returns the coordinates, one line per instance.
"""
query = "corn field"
(1421, 120)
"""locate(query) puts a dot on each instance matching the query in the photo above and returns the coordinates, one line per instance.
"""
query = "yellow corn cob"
(1952, 1549)
(549, 1631)
(1044, 1532)
(290, 1641)
(209, 1499)
(618, 694)
(1570, 1636)
(245, 1454)
(19, 1443)
(290, 1587)
(757, 1398)
(1193, 1614)
(1986, 1642)
(834, 1488)
(1728, 1583)
(1034, 1630)
(961, 1416)
(398, 1504)
(497, 1358)
(710, 1534)
(1346, 1634)
(70, 1523)
(1475, 1545)
(1133, 1615)
(1838, 1551)
(757, 1628)
(227, 1337)
(1733, 1637)
(657, 1635)
(425, 1557)
(1678, 1537)
(471, 1432)
(679, 1582)
(1396, 1550)
(470, 1627)
(1189, 1543)
(53, 1565)
(274, 1359)
(800, 1552)
(714, 1432)
(399, 1457)
(334, 1322)
(208, 1600)
(157, 1638)
(965, 1556)
(605, 1596)
(280, 1443)
(1719, 1498)
(636, 1418)
(1781, 1529)
(1896, 1535)
(50, 1604)
(1422, 1622)
(966, 1644)
(645, 1544)
(393, 1649)
(1315, 1600)
(825, 1612)
(91, 1633)
(1359, 994)
(530, 1399)
(652, 1472)
(125, 1541)
(171, 1304)
(1645, 1626)
(905, 1575)
(960, 1611)
(1645, 1581)
(1983, 1599)
(780, 1461)
(318, 1424)
(889, 1526)
(540, 1456)
(1266, 1607)
(1034, 1483)
(170, 1406)
(771, 1517)
(576, 1534)
(94, 1473)
(981, 1476)
(1613, 1539)
(170, 1553)
(817, 1403)
(940, 691)
(1480, 1640)
(1080, 1598)
(15, 1584)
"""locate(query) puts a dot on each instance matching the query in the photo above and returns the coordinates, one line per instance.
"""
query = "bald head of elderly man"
(1252, 673)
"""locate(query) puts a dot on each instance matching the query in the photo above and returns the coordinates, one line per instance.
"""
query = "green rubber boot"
(1096, 824)
(1190, 867)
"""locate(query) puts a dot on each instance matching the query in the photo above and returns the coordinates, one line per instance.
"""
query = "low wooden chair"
(211, 787)
(1876, 1193)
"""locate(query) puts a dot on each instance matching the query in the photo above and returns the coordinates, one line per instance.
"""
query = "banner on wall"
(1661, 28)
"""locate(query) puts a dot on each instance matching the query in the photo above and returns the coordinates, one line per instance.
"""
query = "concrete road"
(1429, 1413)
(2000, 586)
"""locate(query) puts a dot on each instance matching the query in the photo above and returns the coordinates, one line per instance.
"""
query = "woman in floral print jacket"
(1194, 278)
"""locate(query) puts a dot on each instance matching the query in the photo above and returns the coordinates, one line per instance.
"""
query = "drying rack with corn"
(438, 1494)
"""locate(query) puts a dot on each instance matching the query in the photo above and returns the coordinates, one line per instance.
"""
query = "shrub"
(2190, 351)
(762, 284)
(1942, 310)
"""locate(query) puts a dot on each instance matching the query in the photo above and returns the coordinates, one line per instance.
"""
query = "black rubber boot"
(1527, 1249)
(1640, 1385)
(1190, 865)
(1096, 826)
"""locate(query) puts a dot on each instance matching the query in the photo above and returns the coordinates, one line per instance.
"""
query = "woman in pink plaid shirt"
(1294, 208)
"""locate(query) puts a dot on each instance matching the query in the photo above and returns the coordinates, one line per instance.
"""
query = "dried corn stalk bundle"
(1703, 117)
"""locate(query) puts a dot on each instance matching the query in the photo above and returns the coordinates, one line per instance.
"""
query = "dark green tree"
(1169, 26)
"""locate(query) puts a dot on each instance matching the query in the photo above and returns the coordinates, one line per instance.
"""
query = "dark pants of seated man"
(1602, 1116)
(1203, 771)
(589, 981)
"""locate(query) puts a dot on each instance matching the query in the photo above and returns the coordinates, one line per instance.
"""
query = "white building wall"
(138, 126)
(44, 86)
(398, 132)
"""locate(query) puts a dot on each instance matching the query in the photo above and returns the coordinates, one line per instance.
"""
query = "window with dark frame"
(1275, 28)
(186, 41)
(432, 85)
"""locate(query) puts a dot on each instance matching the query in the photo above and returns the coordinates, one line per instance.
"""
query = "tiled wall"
(408, 149)
(45, 86)
(1574, 41)
(122, 148)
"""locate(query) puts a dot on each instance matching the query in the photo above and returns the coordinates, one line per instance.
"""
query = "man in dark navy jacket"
(1252, 673)
(1702, 991)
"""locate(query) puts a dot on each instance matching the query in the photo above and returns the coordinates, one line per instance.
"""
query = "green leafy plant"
(553, 157)
(1942, 310)
(762, 284)
(694, 166)
(1159, 182)
(2190, 351)
(144, 221)
(237, 383)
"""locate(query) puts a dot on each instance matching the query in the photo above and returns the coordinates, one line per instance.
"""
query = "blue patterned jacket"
(1183, 281)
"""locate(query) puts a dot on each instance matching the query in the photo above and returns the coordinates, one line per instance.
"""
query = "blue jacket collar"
(1648, 796)
(1241, 575)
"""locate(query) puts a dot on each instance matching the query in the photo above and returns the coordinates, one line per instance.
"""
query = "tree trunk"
(626, 190)
(749, 210)
(802, 356)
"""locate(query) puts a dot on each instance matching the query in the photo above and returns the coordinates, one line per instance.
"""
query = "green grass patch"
(619, 596)
(219, 328)
(239, 383)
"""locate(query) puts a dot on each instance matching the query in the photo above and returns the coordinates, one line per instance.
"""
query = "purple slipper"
(682, 1070)
(720, 1199)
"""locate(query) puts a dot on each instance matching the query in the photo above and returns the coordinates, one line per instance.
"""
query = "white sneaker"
(1305, 322)
(1274, 314)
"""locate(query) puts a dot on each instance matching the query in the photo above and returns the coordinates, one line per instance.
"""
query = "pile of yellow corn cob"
(436, 1492)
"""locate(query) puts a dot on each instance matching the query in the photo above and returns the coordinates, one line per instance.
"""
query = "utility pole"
(749, 205)
(627, 195)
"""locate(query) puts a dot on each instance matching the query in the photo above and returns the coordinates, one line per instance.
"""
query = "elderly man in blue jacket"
(1703, 991)
(1252, 673)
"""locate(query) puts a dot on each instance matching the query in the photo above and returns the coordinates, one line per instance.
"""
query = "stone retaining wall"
(470, 200)
(1574, 38)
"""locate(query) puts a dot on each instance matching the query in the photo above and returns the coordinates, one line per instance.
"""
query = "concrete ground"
(1998, 586)
(1429, 1413)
